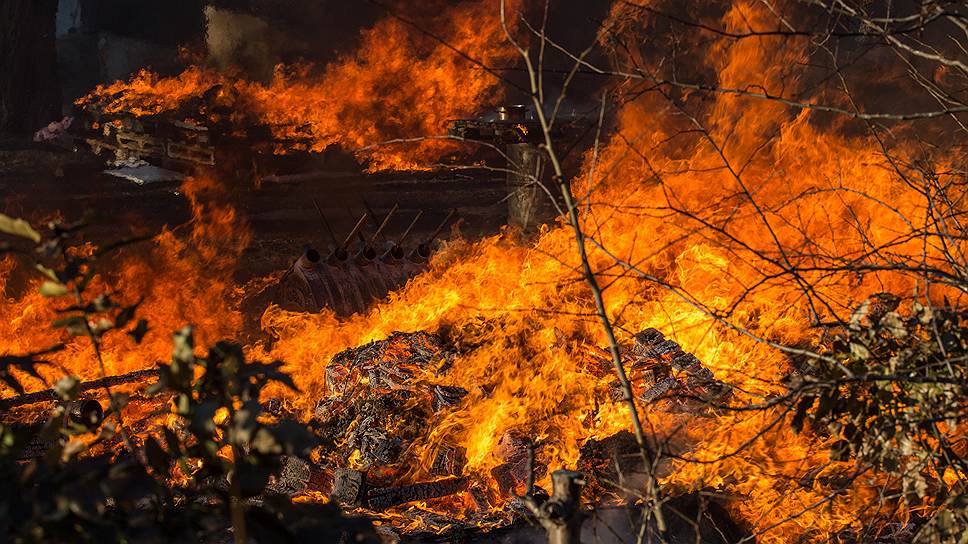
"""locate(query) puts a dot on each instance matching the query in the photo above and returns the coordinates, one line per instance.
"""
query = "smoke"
(239, 40)
(268, 33)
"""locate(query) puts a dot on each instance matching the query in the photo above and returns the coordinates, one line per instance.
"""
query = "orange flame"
(712, 244)
(184, 279)
(400, 83)
(718, 240)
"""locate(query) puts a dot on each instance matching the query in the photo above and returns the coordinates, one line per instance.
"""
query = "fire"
(183, 279)
(713, 223)
(399, 84)
(805, 197)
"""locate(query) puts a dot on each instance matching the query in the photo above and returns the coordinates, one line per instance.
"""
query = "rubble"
(381, 398)
(378, 401)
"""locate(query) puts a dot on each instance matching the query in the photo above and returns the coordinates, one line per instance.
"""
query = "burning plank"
(351, 489)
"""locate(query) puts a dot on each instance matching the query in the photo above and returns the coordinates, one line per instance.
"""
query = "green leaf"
(859, 351)
(75, 325)
(67, 387)
(265, 443)
(840, 451)
(53, 289)
(183, 349)
(894, 324)
(47, 272)
(252, 478)
(102, 303)
(101, 326)
(293, 438)
(121, 399)
(18, 227)
(203, 420)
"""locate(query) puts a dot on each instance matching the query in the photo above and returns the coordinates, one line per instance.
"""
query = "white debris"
(146, 174)
(55, 132)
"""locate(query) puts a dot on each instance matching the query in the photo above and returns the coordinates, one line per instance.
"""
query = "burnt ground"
(38, 184)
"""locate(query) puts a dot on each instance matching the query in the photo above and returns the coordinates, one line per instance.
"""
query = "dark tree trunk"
(29, 89)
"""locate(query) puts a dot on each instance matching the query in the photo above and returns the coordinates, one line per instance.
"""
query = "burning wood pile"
(383, 399)
(182, 134)
(734, 196)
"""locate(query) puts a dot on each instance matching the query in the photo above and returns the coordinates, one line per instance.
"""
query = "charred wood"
(85, 414)
(449, 461)
(350, 489)
(663, 374)
(383, 498)
(51, 395)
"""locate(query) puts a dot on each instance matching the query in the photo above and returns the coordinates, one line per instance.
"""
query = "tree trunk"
(29, 89)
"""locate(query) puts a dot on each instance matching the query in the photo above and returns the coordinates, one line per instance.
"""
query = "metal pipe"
(86, 413)
(422, 252)
(356, 230)
(383, 225)
(322, 217)
(410, 228)
(309, 259)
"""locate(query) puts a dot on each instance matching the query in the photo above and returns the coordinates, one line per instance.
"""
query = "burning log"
(297, 476)
(349, 487)
(513, 449)
(449, 461)
(351, 490)
(51, 395)
(446, 396)
(663, 374)
(383, 498)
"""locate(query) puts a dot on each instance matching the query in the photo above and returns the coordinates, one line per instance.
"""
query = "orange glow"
(398, 84)
(806, 195)
(183, 278)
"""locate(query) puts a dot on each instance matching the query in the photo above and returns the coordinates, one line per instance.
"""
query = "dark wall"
(166, 22)
(29, 89)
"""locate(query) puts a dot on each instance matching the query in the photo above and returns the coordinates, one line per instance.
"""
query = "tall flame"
(711, 220)
(399, 84)
(183, 279)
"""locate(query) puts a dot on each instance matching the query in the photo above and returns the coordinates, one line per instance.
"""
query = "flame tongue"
(400, 84)
(512, 352)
